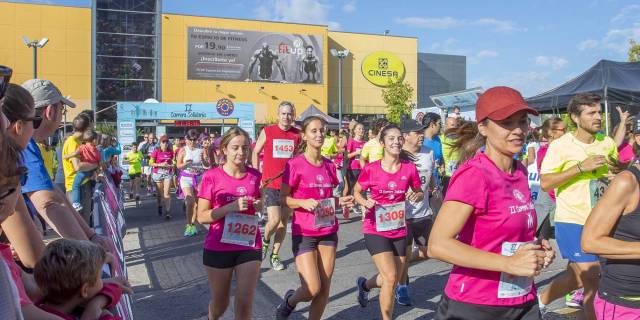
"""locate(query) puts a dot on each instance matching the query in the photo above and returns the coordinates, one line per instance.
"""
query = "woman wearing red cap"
(493, 272)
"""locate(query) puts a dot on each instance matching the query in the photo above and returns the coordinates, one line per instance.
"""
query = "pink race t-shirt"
(5, 252)
(308, 181)
(161, 157)
(503, 215)
(352, 146)
(625, 153)
(387, 188)
(221, 189)
(542, 152)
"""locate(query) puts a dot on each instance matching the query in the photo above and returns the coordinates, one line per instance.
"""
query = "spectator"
(88, 153)
(109, 147)
(450, 157)
(70, 275)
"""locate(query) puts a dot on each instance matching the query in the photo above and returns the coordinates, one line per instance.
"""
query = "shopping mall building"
(131, 51)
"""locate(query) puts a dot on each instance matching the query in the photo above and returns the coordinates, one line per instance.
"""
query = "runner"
(134, 157)
(307, 187)
(228, 203)
(190, 164)
(280, 142)
(354, 148)
(372, 150)
(492, 276)
(419, 215)
(576, 167)
(162, 162)
(612, 231)
(384, 227)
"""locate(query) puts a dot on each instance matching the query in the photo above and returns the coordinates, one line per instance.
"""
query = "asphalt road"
(166, 271)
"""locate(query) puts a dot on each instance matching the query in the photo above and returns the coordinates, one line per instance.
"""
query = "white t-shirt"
(425, 164)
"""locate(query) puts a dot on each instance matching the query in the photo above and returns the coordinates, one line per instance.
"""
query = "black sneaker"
(283, 310)
(363, 294)
(160, 211)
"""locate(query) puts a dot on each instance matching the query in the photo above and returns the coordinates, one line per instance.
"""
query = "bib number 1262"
(240, 229)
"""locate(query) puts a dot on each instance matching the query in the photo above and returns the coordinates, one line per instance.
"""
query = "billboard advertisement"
(241, 55)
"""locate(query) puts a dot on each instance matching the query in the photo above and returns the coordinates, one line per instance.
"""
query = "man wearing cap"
(576, 167)
(46, 200)
(419, 215)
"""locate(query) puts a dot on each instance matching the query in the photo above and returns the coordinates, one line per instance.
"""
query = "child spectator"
(69, 275)
(88, 152)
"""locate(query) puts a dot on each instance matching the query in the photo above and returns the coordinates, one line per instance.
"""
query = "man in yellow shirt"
(373, 150)
(576, 166)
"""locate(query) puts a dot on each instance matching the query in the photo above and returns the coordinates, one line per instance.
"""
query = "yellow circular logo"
(382, 68)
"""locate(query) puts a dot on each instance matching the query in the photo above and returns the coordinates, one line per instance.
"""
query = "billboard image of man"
(309, 66)
(265, 58)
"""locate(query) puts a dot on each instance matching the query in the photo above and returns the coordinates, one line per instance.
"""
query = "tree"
(396, 97)
(634, 51)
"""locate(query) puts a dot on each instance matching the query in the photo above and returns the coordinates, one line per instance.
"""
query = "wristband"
(579, 168)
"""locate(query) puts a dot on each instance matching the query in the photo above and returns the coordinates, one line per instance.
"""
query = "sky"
(532, 46)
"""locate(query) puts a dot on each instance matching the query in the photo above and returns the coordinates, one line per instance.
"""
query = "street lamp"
(35, 45)
(340, 54)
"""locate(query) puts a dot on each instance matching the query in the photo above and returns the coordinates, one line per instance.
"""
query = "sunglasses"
(5, 76)
(36, 120)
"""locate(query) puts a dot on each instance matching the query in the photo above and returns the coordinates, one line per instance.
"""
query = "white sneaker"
(77, 206)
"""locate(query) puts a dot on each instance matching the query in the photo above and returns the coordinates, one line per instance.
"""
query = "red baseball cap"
(164, 137)
(499, 103)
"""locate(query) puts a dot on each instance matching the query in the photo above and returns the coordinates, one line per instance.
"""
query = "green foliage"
(396, 97)
(567, 120)
(634, 51)
(106, 129)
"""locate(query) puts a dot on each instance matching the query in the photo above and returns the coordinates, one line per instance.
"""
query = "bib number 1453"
(283, 148)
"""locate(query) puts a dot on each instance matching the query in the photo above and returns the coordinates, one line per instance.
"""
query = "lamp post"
(35, 44)
(340, 54)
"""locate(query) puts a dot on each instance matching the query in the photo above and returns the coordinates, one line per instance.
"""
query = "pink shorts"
(606, 310)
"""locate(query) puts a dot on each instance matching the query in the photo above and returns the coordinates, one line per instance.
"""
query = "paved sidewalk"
(170, 283)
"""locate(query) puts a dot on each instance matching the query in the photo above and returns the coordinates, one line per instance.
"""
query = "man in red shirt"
(280, 142)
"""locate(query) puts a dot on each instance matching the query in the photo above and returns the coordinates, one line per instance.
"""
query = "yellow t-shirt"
(372, 151)
(47, 158)
(576, 198)
(329, 147)
(70, 146)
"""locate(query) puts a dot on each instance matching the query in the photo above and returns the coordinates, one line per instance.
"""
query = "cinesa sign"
(382, 68)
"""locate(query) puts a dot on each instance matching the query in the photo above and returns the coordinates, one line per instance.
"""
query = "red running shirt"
(279, 147)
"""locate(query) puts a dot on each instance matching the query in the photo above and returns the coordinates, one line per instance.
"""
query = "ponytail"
(468, 141)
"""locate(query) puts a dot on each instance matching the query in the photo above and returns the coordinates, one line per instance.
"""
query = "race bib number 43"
(240, 229)
(511, 286)
(283, 148)
(390, 216)
(325, 214)
(597, 187)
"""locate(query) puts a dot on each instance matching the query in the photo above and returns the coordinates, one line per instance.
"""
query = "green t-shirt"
(329, 147)
(135, 162)
(450, 158)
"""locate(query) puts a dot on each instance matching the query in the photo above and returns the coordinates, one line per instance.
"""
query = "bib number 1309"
(240, 229)
(390, 216)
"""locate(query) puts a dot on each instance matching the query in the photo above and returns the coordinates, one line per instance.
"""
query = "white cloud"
(502, 26)
(302, 11)
(631, 12)
(349, 7)
(554, 62)
(487, 54)
(588, 44)
(618, 39)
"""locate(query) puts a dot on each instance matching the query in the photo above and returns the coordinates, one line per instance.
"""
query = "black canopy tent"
(617, 83)
(314, 111)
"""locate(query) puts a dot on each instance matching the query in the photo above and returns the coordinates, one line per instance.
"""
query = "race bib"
(452, 165)
(325, 214)
(240, 229)
(390, 216)
(425, 175)
(283, 148)
(511, 286)
(163, 171)
(597, 187)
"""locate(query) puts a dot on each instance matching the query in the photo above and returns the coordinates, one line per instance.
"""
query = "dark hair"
(90, 135)
(404, 154)
(579, 100)
(547, 125)
(378, 124)
(88, 114)
(18, 103)
(134, 144)
(81, 123)
(469, 140)
(429, 118)
(192, 134)
(305, 124)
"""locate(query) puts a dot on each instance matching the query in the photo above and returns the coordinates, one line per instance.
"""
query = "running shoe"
(363, 294)
(575, 299)
(265, 248)
(130, 196)
(194, 230)
(187, 231)
(402, 295)
(77, 206)
(283, 310)
(275, 263)
(160, 211)
(543, 307)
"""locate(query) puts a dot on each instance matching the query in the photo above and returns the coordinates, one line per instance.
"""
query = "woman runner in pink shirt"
(307, 188)
(384, 228)
(486, 226)
(228, 200)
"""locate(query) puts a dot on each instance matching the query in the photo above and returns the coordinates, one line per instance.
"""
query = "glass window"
(106, 115)
(132, 5)
(125, 22)
(125, 90)
(124, 45)
(125, 68)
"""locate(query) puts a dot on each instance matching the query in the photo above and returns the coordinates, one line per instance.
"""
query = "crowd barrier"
(108, 220)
